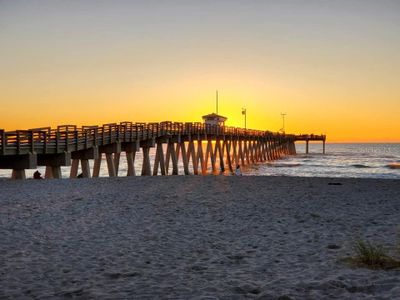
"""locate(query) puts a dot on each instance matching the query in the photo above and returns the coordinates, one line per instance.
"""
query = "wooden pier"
(68, 145)
(311, 137)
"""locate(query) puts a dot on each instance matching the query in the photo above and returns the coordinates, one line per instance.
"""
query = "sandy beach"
(194, 237)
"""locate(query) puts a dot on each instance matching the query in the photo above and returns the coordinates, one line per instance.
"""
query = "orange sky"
(332, 67)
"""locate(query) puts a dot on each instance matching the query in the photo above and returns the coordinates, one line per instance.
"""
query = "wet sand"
(194, 237)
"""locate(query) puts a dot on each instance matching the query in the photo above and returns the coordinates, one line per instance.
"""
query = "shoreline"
(6, 179)
(195, 237)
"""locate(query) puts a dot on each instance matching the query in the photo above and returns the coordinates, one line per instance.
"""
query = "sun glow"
(151, 63)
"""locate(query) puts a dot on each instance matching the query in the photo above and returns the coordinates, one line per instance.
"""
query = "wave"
(284, 165)
(360, 166)
(393, 165)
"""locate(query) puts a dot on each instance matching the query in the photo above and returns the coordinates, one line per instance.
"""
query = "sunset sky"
(332, 66)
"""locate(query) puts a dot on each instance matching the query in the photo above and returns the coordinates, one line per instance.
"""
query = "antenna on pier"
(283, 122)
(216, 100)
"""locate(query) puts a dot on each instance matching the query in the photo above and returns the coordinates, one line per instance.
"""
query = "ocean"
(340, 160)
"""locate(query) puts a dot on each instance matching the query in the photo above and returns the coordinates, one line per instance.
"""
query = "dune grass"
(371, 256)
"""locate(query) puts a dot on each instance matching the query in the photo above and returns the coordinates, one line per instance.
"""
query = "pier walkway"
(68, 145)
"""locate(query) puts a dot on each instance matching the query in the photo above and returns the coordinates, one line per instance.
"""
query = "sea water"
(340, 160)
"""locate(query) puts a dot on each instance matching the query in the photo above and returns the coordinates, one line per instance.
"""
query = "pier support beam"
(323, 147)
(96, 166)
(228, 155)
(209, 154)
(170, 154)
(307, 142)
(174, 158)
(200, 157)
(220, 155)
(53, 163)
(112, 153)
(241, 154)
(83, 156)
(292, 148)
(130, 160)
(275, 149)
(117, 157)
(251, 150)
(74, 168)
(85, 168)
(246, 151)
(146, 167)
(53, 172)
(159, 160)
(235, 153)
(110, 165)
(182, 149)
(18, 174)
(130, 149)
(191, 152)
(18, 163)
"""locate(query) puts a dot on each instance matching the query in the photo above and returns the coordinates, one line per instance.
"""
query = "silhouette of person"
(37, 175)
(238, 172)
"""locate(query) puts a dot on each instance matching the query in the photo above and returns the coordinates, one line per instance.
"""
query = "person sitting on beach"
(238, 172)
(37, 175)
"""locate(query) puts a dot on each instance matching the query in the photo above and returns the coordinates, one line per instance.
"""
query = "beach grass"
(369, 255)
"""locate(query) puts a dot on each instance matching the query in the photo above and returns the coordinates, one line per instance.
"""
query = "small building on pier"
(214, 119)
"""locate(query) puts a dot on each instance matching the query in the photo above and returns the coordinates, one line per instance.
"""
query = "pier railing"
(46, 140)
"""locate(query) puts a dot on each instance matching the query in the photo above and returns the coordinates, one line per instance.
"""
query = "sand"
(194, 237)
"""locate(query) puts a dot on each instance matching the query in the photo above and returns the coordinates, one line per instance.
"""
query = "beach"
(196, 237)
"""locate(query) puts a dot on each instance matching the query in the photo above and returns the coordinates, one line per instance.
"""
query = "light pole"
(244, 112)
(283, 122)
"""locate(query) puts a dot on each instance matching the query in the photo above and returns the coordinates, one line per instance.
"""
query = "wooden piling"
(159, 162)
(130, 159)
(117, 157)
(146, 167)
(74, 168)
(18, 174)
(185, 159)
(200, 157)
(96, 166)
(111, 165)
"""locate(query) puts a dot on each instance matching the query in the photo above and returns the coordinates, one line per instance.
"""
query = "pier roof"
(214, 116)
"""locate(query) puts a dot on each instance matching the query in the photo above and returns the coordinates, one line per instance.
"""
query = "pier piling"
(200, 146)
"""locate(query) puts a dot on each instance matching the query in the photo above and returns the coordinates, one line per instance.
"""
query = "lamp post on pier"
(244, 112)
(283, 122)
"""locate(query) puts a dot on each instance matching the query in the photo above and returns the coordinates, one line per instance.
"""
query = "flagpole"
(216, 101)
